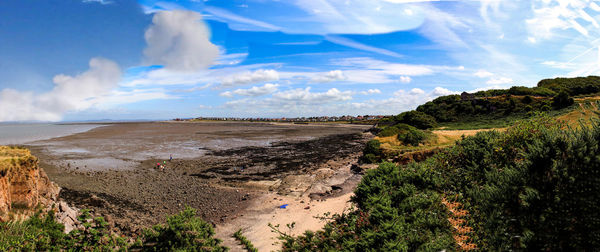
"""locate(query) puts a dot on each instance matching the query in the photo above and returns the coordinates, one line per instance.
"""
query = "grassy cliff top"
(14, 156)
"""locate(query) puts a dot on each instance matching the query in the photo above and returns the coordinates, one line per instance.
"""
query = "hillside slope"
(532, 184)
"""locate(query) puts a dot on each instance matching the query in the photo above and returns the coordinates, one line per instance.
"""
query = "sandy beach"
(236, 174)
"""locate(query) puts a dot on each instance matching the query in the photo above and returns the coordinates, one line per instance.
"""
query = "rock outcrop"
(23, 184)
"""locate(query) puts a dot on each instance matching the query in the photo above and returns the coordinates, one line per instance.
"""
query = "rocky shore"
(221, 169)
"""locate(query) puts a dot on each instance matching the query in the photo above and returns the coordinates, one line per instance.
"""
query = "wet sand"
(111, 169)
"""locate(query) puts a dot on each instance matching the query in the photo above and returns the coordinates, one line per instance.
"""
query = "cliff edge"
(23, 184)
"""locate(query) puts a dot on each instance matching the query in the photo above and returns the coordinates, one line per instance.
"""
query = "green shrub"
(183, 232)
(393, 215)
(45, 234)
(372, 152)
(370, 158)
(417, 119)
(244, 241)
(412, 137)
(562, 100)
(373, 147)
(94, 236)
(388, 131)
(34, 234)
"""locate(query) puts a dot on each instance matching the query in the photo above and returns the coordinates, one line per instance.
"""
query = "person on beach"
(170, 157)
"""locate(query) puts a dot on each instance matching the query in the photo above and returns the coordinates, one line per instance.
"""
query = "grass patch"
(494, 122)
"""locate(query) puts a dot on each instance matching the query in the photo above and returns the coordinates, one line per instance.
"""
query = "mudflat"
(219, 168)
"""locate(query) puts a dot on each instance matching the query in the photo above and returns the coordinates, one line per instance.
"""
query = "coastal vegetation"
(419, 129)
(531, 187)
(529, 183)
(182, 232)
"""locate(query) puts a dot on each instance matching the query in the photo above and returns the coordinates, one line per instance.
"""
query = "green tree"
(417, 119)
(562, 100)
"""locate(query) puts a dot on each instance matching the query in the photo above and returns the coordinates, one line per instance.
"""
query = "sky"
(75, 60)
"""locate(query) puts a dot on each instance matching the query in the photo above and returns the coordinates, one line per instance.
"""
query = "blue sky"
(147, 59)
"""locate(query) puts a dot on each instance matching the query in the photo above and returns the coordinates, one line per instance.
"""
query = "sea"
(23, 133)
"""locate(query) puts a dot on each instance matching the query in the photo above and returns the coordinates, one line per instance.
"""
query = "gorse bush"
(183, 232)
(534, 187)
(412, 137)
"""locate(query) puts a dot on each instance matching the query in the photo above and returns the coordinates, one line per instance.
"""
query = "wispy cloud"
(248, 77)
(333, 75)
(353, 44)
(253, 91)
(239, 22)
(103, 2)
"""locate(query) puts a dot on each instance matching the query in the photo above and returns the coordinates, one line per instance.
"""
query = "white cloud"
(440, 91)
(238, 22)
(103, 2)
(559, 65)
(334, 75)
(70, 93)
(483, 74)
(296, 102)
(116, 97)
(253, 91)
(371, 91)
(442, 28)
(230, 59)
(368, 70)
(354, 16)
(405, 79)
(416, 91)
(353, 44)
(227, 94)
(552, 15)
(248, 77)
(384, 66)
(304, 96)
(232, 76)
(400, 101)
(179, 40)
(410, 1)
(499, 81)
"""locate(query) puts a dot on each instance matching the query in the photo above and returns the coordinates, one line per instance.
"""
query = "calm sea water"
(25, 133)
